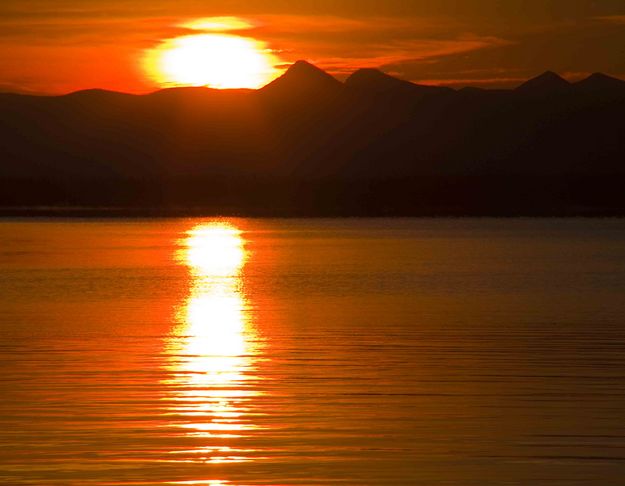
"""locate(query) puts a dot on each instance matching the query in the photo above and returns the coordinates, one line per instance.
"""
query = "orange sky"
(58, 46)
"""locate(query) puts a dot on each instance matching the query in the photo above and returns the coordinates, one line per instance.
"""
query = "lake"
(357, 351)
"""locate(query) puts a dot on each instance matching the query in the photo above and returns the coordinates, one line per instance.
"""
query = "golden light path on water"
(211, 347)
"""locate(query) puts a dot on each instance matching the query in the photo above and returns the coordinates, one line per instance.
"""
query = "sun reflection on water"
(210, 350)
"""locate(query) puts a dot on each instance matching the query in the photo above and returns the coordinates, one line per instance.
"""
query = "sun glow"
(215, 60)
(218, 24)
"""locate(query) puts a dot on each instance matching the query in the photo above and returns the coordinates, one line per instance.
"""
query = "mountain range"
(307, 144)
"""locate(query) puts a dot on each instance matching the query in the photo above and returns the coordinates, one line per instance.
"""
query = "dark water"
(240, 352)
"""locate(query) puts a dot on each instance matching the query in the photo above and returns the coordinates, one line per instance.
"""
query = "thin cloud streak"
(401, 52)
(613, 19)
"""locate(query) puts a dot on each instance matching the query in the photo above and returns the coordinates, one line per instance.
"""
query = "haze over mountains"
(309, 144)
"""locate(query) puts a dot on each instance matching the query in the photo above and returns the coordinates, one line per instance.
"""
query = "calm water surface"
(242, 352)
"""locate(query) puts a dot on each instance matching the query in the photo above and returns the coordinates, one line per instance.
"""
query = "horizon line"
(206, 87)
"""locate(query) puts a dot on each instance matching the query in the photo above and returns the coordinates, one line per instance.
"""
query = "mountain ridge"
(311, 144)
(600, 81)
(546, 83)
(304, 71)
(376, 82)
(303, 78)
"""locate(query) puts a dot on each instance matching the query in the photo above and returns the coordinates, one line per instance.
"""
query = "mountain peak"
(601, 82)
(546, 82)
(302, 67)
(366, 75)
(303, 76)
(375, 81)
(94, 92)
(600, 76)
(303, 71)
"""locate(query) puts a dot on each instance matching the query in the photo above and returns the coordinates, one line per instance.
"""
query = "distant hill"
(599, 84)
(309, 144)
(376, 83)
(303, 79)
(547, 83)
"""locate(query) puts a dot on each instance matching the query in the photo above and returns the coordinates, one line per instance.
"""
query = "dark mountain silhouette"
(307, 144)
(547, 83)
(303, 79)
(601, 84)
(375, 82)
(98, 93)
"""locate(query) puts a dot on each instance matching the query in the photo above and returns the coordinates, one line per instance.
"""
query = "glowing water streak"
(210, 349)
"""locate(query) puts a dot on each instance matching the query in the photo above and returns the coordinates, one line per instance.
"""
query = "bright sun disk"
(214, 60)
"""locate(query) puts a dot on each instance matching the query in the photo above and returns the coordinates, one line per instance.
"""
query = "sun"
(220, 61)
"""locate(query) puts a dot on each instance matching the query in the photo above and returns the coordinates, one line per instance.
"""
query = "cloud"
(342, 45)
(613, 19)
(94, 31)
(477, 82)
(306, 24)
(337, 43)
(219, 24)
(396, 53)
